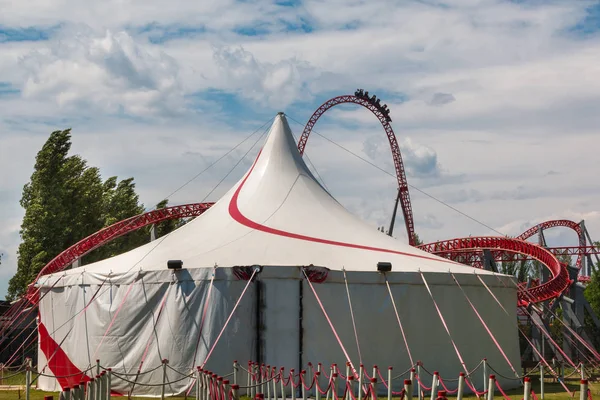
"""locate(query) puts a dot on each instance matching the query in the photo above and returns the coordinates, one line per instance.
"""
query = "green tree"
(65, 201)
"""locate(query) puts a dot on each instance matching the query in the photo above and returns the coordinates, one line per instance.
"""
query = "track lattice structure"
(397, 156)
(105, 235)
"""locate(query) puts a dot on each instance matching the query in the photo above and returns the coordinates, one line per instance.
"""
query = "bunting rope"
(352, 315)
(485, 325)
(330, 324)
(229, 318)
(398, 318)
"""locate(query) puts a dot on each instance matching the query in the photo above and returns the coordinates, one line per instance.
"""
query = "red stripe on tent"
(67, 374)
(58, 361)
(236, 214)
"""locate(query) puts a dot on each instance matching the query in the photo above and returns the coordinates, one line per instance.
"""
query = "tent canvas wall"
(131, 308)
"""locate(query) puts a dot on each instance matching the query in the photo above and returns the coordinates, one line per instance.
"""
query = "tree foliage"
(65, 201)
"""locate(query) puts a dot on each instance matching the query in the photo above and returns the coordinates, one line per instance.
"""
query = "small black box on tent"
(384, 266)
(174, 264)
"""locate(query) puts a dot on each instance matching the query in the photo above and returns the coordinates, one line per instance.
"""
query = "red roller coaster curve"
(398, 164)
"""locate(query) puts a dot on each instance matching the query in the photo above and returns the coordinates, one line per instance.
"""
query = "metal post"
(235, 392)
(67, 393)
(434, 385)
(583, 390)
(61, 395)
(281, 374)
(108, 383)
(490, 393)
(75, 392)
(318, 375)
(317, 381)
(485, 375)
(411, 377)
(461, 386)
(28, 383)
(164, 379)
(541, 381)
(526, 388)
(198, 384)
(97, 367)
(373, 389)
(235, 372)
(91, 389)
(329, 394)
(360, 381)
(274, 381)
(268, 383)
(1, 373)
(98, 388)
(334, 376)
(292, 379)
(582, 370)
(389, 383)
(420, 394)
(408, 392)
(254, 384)
(226, 389)
(302, 384)
(220, 387)
(349, 387)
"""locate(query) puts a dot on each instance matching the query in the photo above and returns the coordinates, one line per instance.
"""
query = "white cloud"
(110, 73)
(273, 84)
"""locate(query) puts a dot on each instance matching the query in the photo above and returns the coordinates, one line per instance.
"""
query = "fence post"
(28, 383)
(360, 381)
(434, 385)
(541, 381)
(235, 372)
(490, 393)
(1, 373)
(420, 393)
(274, 382)
(164, 378)
(108, 383)
(226, 389)
(329, 394)
(266, 382)
(373, 388)
(317, 379)
(235, 392)
(485, 375)
(583, 391)
(408, 389)
(281, 374)
(461, 386)
(253, 377)
(97, 367)
(389, 384)
(292, 380)
(303, 373)
(198, 383)
(98, 388)
(582, 365)
(349, 387)
(334, 376)
(526, 388)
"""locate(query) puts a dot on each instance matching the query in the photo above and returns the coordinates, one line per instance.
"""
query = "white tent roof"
(276, 215)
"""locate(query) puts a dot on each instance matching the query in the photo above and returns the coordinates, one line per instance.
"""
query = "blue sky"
(142, 83)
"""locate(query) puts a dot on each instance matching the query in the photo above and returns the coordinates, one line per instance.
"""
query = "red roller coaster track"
(398, 164)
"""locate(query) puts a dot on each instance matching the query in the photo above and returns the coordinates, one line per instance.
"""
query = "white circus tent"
(131, 311)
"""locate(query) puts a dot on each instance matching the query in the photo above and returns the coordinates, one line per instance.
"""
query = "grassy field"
(553, 391)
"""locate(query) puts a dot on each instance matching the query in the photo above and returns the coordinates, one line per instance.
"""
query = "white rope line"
(398, 318)
(352, 315)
